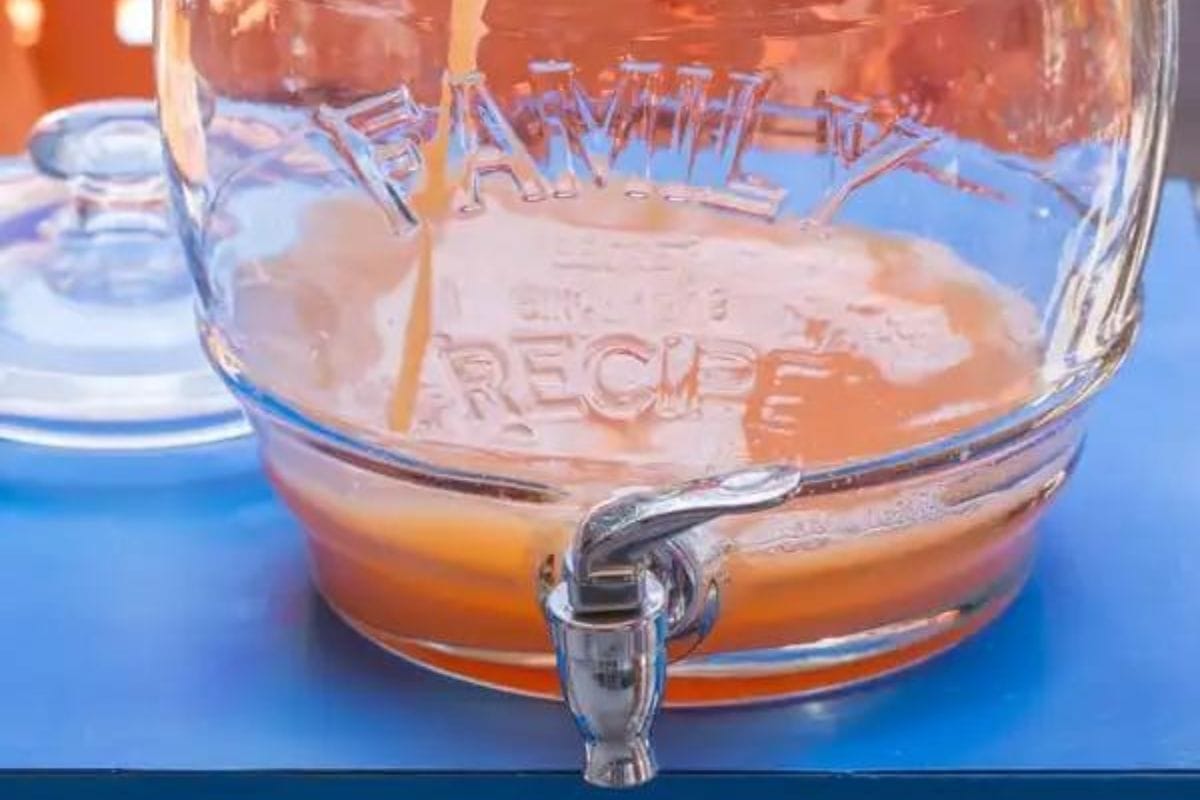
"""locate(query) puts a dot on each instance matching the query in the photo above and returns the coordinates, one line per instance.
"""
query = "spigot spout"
(613, 668)
(630, 584)
(619, 765)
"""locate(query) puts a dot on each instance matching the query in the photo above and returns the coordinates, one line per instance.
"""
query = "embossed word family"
(680, 133)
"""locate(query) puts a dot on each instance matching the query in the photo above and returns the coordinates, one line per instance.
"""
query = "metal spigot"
(636, 577)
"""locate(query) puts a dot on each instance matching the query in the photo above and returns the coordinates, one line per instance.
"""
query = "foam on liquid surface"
(622, 330)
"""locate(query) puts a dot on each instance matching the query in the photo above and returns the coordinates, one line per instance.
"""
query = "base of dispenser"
(746, 677)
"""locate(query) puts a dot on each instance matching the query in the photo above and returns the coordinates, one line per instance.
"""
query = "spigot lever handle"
(610, 617)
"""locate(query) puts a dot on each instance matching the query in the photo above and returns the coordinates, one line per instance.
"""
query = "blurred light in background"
(135, 22)
(25, 17)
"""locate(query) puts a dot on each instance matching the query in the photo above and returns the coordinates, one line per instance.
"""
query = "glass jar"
(476, 266)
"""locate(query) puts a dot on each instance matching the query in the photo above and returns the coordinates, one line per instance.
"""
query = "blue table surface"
(155, 613)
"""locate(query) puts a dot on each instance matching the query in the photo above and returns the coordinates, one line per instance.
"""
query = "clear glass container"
(475, 266)
(98, 348)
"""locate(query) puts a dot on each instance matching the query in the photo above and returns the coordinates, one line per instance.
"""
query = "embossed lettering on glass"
(709, 351)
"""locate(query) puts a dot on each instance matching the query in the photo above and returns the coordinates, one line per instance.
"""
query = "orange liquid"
(600, 343)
